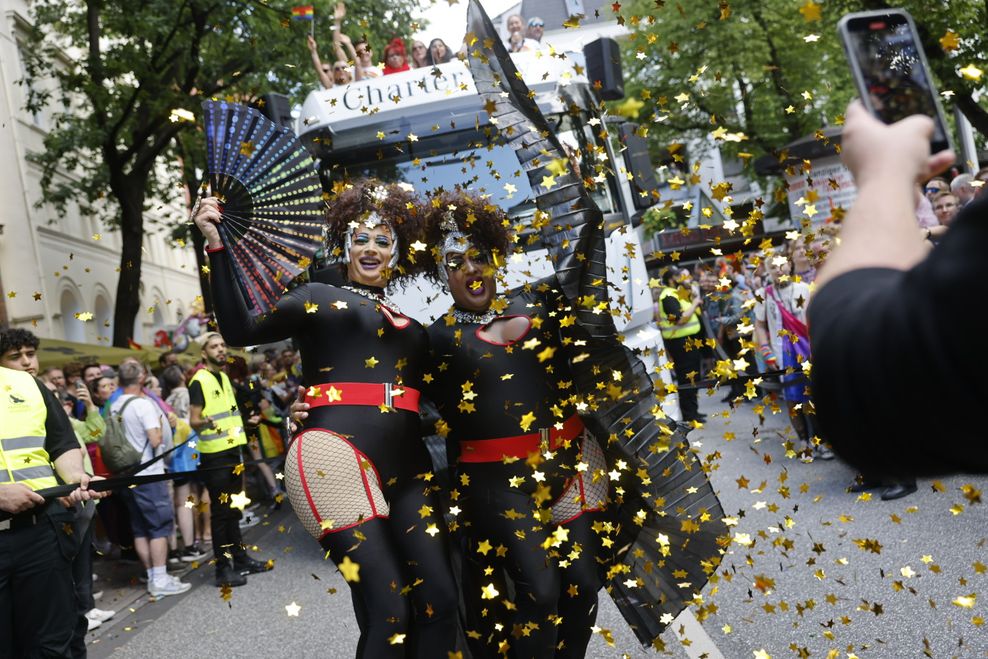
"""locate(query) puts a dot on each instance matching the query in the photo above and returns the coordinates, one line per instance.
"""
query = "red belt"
(372, 394)
(519, 446)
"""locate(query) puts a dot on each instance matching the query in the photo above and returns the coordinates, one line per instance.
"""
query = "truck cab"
(426, 127)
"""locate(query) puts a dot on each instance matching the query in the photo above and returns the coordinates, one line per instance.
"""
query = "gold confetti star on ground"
(293, 610)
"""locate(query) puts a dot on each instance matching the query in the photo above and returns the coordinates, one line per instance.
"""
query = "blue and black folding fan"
(270, 196)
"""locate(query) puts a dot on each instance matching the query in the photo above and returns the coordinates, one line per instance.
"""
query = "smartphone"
(890, 69)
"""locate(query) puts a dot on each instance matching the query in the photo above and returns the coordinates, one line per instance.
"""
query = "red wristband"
(215, 249)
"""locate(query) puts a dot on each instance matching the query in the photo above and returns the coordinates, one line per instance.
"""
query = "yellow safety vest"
(671, 330)
(23, 458)
(221, 407)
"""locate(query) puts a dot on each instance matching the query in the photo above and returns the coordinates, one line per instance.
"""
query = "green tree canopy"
(121, 68)
(758, 74)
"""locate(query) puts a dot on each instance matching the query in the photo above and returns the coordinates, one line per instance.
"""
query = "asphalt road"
(818, 572)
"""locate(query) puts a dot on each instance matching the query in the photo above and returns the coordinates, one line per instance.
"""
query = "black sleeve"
(898, 365)
(237, 325)
(196, 397)
(59, 436)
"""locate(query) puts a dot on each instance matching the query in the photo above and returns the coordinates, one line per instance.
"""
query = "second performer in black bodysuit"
(530, 480)
(357, 476)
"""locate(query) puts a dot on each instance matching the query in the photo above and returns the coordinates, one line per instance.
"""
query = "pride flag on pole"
(303, 13)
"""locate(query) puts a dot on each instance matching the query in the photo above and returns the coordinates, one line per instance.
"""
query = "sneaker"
(249, 520)
(98, 595)
(174, 557)
(823, 452)
(192, 554)
(169, 586)
(100, 615)
(92, 624)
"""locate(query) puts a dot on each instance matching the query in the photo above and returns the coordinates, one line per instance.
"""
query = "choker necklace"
(375, 294)
(462, 316)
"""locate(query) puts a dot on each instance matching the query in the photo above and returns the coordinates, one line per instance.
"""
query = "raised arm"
(340, 39)
(324, 77)
(237, 325)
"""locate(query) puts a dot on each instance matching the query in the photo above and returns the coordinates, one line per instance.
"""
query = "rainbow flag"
(303, 13)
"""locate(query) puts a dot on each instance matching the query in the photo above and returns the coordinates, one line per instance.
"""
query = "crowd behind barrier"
(128, 526)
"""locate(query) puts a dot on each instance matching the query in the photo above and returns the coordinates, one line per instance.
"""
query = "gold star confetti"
(239, 500)
(810, 11)
(950, 41)
(84, 316)
(971, 72)
(349, 570)
(293, 610)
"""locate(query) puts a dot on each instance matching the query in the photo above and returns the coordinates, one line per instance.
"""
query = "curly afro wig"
(354, 201)
(485, 223)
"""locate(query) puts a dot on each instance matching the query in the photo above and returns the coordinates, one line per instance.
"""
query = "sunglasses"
(536, 25)
(932, 190)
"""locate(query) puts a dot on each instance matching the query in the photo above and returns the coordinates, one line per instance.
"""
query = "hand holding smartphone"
(890, 69)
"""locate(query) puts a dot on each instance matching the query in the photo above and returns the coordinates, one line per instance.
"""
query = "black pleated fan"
(270, 196)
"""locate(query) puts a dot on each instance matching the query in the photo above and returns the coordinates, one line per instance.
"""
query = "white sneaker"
(100, 614)
(248, 521)
(98, 595)
(92, 624)
(169, 586)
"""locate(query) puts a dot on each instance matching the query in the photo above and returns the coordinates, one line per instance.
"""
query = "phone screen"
(895, 79)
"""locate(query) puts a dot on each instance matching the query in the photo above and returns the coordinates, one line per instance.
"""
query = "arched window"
(72, 327)
(103, 317)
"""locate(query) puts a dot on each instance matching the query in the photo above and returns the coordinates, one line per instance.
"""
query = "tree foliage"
(758, 74)
(119, 69)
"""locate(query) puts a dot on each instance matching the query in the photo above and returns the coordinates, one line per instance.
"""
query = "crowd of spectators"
(163, 524)
(943, 199)
(354, 59)
(751, 310)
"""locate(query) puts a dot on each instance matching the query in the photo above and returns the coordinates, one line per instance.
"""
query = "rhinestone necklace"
(462, 316)
(373, 294)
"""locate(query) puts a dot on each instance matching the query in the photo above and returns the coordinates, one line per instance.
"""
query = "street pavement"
(814, 572)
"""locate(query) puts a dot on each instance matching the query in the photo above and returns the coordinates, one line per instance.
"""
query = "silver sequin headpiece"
(454, 240)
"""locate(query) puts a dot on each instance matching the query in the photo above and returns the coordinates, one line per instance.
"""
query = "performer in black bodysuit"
(531, 482)
(357, 476)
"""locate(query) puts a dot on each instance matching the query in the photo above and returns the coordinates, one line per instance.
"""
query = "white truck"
(425, 127)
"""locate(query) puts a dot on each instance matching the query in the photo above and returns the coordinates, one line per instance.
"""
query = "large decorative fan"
(270, 196)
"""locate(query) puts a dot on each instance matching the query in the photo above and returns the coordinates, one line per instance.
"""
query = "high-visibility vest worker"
(23, 458)
(673, 330)
(221, 408)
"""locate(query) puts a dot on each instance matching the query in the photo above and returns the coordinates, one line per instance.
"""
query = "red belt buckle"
(370, 394)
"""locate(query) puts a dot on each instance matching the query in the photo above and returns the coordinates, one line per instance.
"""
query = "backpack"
(119, 455)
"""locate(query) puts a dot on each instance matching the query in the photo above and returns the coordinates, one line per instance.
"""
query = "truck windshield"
(463, 160)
